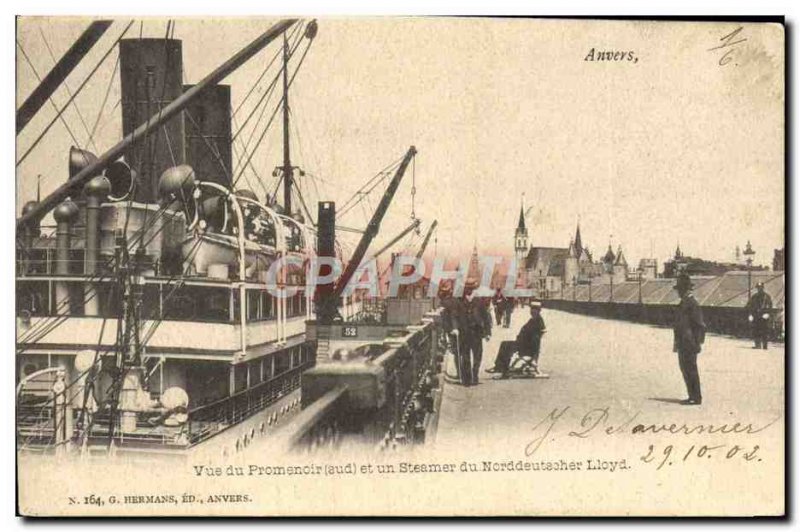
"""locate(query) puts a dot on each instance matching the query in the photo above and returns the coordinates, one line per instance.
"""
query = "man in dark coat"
(759, 310)
(689, 335)
(528, 342)
(508, 310)
(498, 302)
(468, 320)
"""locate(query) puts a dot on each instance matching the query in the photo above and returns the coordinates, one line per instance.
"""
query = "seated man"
(527, 343)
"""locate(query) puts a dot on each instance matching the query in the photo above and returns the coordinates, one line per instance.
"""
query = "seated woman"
(527, 343)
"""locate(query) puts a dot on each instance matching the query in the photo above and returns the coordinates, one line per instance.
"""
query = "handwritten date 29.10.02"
(672, 455)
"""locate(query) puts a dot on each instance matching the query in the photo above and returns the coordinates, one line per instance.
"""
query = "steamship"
(146, 317)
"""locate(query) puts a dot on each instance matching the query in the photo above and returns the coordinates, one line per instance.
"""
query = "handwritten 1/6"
(729, 42)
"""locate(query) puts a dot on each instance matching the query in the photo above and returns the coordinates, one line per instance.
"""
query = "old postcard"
(400, 266)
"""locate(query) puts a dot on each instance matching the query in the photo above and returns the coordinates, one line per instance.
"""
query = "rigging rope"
(80, 88)
(213, 148)
(267, 93)
(299, 196)
(69, 92)
(363, 193)
(98, 357)
(114, 346)
(51, 322)
(245, 145)
(100, 276)
(277, 108)
(105, 100)
(152, 145)
(303, 152)
(263, 73)
(239, 158)
(188, 260)
(265, 100)
(107, 122)
(49, 98)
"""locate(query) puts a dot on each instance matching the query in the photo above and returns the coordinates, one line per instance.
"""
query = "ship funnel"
(121, 177)
(151, 78)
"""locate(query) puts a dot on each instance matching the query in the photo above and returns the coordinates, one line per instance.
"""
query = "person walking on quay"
(689, 335)
(499, 304)
(468, 320)
(759, 310)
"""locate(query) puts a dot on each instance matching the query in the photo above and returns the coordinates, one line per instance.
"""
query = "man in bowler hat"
(689, 335)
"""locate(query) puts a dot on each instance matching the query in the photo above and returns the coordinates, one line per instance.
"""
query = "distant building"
(697, 266)
(579, 266)
(648, 268)
(551, 270)
(544, 269)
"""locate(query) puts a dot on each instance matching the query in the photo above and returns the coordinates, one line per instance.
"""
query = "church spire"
(620, 257)
(609, 257)
(578, 242)
(521, 235)
(573, 252)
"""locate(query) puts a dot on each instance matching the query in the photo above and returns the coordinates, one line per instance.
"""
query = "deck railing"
(401, 386)
(209, 420)
(37, 424)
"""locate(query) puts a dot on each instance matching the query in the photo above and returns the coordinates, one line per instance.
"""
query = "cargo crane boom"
(396, 239)
(427, 239)
(372, 227)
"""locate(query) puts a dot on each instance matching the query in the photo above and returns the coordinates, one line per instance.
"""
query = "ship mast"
(287, 162)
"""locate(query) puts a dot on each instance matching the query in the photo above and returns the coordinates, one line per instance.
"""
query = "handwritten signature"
(597, 421)
(729, 43)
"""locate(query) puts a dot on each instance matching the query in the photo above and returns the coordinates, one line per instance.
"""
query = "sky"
(672, 148)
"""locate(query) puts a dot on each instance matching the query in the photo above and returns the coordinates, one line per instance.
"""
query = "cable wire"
(78, 91)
